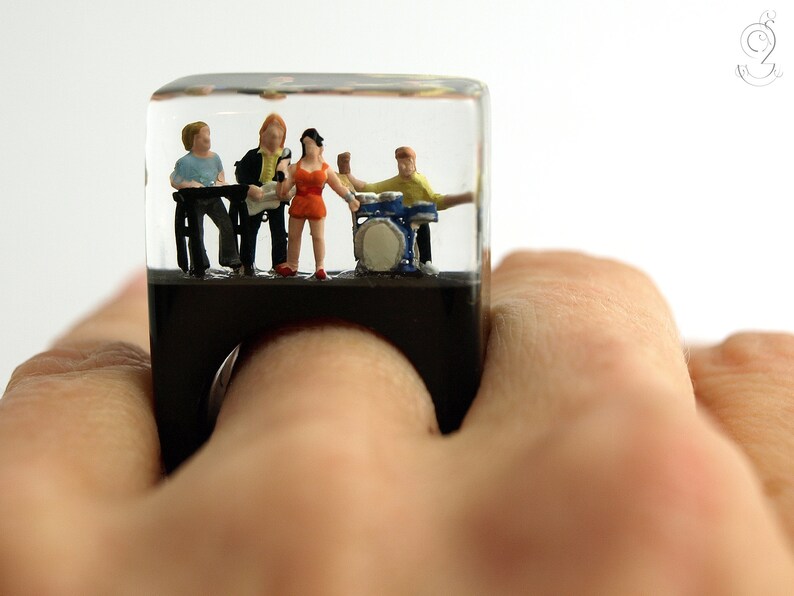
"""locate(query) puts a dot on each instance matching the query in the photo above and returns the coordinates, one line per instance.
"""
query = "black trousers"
(250, 228)
(214, 209)
(423, 243)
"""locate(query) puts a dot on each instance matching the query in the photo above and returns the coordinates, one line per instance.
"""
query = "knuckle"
(77, 360)
(597, 286)
(574, 265)
(670, 487)
(758, 352)
(369, 380)
(615, 480)
(667, 462)
(602, 318)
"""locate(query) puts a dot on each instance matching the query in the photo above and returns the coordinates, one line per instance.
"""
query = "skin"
(406, 167)
(587, 464)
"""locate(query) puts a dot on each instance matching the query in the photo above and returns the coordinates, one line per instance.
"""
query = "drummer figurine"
(343, 169)
(199, 168)
(415, 188)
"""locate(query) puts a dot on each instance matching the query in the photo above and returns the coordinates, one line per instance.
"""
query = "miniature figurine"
(258, 168)
(309, 176)
(202, 168)
(343, 169)
(414, 188)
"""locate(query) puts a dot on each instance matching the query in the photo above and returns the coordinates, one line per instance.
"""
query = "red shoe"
(321, 274)
(285, 270)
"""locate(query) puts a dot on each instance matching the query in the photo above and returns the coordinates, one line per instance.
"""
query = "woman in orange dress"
(309, 176)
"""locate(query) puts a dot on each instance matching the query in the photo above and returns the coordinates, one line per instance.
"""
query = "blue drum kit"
(384, 233)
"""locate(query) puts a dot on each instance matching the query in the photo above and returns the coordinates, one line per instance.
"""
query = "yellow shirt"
(414, 189)
(269, 165)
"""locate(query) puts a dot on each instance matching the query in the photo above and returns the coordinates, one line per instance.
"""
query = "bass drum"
(380, 245)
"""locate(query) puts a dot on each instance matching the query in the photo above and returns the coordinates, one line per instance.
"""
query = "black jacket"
(249, 168)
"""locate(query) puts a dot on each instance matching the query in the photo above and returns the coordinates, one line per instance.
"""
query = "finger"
(317, 425)
(80, 414)
(747, 385)
(570, 333)
(334, 379)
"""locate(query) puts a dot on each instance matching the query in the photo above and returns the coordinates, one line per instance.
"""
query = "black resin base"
(437, 322)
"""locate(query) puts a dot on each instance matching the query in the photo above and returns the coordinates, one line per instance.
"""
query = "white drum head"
(367, 197)
(379, 245)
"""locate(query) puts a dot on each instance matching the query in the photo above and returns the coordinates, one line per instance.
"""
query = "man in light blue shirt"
(198, 169)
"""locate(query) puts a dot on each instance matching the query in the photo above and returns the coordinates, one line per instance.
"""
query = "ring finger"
(571, 332)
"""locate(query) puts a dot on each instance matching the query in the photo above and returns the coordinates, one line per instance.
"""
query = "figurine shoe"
(286, 271)
(321, 274)
(428, 268)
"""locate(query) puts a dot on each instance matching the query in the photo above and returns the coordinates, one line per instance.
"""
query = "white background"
(619, 128)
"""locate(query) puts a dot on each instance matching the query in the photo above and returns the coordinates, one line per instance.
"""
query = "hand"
(583, 466)
(256, 193)
(354, 205)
